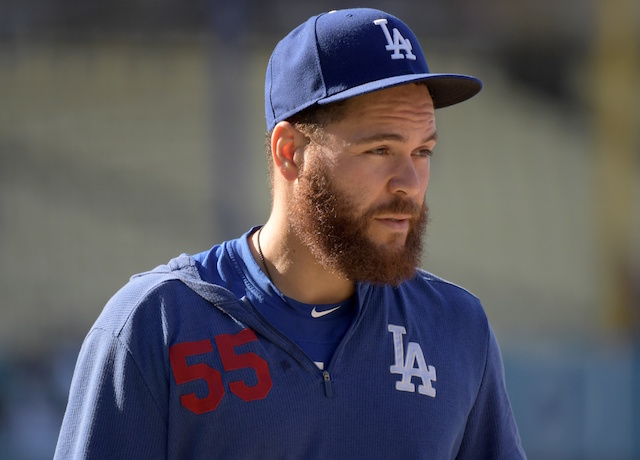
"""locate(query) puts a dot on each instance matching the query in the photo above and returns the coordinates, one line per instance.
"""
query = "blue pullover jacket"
(179, 368)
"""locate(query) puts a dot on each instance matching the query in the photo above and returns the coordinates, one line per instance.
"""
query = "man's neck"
(294, 270)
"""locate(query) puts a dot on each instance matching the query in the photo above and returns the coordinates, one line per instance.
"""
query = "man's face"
(359, 201)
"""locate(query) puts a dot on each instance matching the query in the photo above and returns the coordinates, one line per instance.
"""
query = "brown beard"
(326, 221)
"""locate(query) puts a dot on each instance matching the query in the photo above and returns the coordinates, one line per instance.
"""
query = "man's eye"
(425, 152)
(379, 151)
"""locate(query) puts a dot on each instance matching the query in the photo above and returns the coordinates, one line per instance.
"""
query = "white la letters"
(405, 366)
(397, 43)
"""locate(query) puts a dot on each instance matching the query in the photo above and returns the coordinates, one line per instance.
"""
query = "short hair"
(310, 121)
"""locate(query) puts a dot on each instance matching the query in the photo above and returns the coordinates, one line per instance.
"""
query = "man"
(313, 336)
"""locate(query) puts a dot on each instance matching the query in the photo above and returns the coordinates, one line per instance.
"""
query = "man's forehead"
(363, 138)
(386, 121)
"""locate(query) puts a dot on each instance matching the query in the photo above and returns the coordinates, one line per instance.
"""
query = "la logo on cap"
(397, 43)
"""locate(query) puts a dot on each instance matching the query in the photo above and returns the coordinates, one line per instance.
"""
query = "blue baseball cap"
(345, 53)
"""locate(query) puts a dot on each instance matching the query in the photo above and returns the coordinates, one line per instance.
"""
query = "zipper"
(283, 342)
(278, 338)
(328, 391)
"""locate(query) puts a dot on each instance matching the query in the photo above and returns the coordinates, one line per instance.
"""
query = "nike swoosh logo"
(319, 314)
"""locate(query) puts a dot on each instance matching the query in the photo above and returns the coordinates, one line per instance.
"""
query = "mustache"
(398, 205)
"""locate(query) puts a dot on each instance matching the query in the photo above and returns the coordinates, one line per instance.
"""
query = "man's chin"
(390, 242)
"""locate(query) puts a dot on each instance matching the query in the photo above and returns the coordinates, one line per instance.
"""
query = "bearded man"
(315, 335)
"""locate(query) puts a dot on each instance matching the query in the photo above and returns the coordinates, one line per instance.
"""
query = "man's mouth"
(396, 223)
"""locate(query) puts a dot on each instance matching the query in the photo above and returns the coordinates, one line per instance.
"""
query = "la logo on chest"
(411, 364)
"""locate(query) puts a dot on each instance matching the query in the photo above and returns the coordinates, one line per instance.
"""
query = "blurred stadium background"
(131, 131)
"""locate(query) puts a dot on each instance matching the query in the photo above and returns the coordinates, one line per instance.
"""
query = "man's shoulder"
(443, 299)
(145, 292)
(429, 281)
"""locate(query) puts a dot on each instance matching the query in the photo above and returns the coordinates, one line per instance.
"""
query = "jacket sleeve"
(491, 431)
(111, 413)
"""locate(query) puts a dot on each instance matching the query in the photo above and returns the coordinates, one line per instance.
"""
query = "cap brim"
(445, 89)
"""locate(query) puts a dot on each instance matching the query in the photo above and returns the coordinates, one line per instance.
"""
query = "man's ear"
(286, 141)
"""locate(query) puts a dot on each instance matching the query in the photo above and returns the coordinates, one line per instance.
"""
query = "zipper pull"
(328, 391)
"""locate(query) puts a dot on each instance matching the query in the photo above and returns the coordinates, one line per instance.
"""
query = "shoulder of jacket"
(426, 278)
(143, 289)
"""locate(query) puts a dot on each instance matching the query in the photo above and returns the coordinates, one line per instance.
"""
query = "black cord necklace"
(264, 263)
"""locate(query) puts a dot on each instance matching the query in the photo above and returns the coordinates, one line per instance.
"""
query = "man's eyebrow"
(381, 137)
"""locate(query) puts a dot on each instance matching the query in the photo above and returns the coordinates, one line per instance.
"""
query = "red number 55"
(231, 361)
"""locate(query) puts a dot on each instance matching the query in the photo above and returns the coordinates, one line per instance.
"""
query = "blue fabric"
(344, 53)
(318, 337)
(176, 367)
